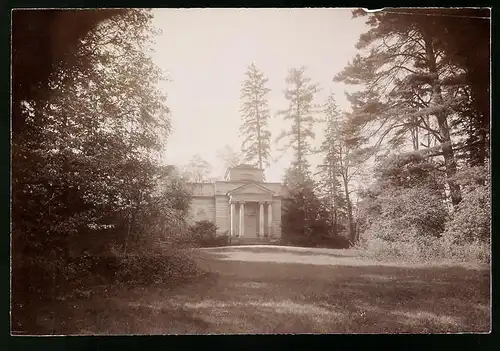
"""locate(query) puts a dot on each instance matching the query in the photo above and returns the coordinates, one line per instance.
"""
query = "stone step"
(253, 241)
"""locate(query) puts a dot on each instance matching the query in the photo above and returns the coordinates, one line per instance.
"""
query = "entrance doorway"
(251, 219)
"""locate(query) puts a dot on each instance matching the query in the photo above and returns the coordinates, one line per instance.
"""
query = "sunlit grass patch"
(252, 285)
(378, 277)
(291, 307)
(419, 317)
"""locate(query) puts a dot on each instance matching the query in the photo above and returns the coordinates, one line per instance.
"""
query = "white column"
(242, 218)
(261, 218)
(270, 218)
(231, 220)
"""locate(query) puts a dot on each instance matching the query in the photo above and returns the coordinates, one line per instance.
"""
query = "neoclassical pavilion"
(243, 205)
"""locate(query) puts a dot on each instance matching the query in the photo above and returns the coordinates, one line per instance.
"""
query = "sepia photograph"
(250, 171)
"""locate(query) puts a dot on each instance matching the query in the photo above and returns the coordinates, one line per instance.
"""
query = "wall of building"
(266, 219)
(221, 188)
(201, 189)
(202, 208)
(222, 213)
(277, 217)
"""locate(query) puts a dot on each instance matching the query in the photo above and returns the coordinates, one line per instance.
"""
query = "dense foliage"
(468, 233)
(306, 220)
(418, 92)
(420, 115)
(90, 200)
(204, 234)
(404, 208)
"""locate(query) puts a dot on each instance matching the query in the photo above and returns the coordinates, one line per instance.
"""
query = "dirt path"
(276, 290)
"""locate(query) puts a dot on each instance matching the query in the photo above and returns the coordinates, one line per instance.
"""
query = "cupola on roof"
(245, 172)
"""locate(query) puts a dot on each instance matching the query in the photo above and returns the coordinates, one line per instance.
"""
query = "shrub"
(413, 249)
(147, 268)
(408, 216)
(414, 225)
(222, 239)
(306, 222)
(204, 234)
(403, 214)
(467, 234)
(49, 280)
(470, 222)
(472, 252)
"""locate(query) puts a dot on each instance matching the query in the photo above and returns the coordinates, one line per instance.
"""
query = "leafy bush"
(306, 222)
(222, 240)
(404, 217)
(403, 214)
(414, 249)
(204, 234)
(470, 221)
(60, 277)
(467, 234)
(155, 268)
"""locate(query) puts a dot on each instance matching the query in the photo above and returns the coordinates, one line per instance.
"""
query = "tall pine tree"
(408, 81)
(304, 206)
(329, 170)
(255, 115)
(301, 112)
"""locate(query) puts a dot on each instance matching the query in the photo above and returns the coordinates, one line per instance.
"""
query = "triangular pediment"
(251, 188)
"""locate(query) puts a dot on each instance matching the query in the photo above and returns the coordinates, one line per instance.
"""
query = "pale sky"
(206, 52)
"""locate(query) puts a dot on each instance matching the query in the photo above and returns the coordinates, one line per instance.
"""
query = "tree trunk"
(258, 134)
(414, 135)
(335, 222)
(331, 178)
(127, 238)
(429, 133)
(450, 163)
(345, 179)
(299, 146)
(349, 209)
(441, 116)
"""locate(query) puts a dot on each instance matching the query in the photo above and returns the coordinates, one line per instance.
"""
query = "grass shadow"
(266, 297)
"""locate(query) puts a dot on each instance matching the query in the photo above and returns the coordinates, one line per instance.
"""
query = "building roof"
(251, 185)
(246, 166)
(242, 166)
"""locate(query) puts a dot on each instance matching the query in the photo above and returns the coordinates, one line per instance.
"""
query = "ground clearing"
(292, 290)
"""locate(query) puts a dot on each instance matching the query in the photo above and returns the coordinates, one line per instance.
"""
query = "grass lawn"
(290, 290)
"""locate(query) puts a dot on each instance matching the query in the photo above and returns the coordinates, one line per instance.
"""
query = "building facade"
(243, 205)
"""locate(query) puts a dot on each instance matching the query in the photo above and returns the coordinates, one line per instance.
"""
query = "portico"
(255, 221)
